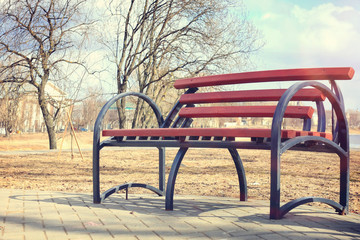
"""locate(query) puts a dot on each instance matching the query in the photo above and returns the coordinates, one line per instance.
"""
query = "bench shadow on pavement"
(230, 210)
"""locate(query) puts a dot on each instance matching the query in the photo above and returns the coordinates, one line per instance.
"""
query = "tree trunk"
(121, 113)
(136, 115)
(49, 122)
(8, 130)
(122, 87)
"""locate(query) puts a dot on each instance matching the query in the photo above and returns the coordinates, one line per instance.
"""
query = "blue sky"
(310, 33)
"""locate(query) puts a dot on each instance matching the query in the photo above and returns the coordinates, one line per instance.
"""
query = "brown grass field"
(203, 172)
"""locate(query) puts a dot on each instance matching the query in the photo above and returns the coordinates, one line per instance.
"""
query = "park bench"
(176, 129)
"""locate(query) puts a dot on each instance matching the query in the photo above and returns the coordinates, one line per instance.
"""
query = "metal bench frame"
(338, 145)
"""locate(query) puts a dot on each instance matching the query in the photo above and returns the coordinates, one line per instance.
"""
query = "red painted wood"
(244, 111)
(204, 132)
(250, 96)
(318, 134)
(207, 132)
(341, 73)
(326, 135)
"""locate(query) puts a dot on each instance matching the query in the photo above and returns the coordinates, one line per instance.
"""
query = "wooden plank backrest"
(342, 73)
(180, 118)
(302, 112)
(250, 96)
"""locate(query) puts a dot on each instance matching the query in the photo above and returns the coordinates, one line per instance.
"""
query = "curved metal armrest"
(334, 99)
(336, 90)
(105, 108)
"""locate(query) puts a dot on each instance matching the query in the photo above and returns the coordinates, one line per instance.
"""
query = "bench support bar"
(300, 201)
(126, 186)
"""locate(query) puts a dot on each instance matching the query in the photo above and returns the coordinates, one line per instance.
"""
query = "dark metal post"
(321, 116)
(96, 173)
(307, 124)
(162, 169)
(344, 182)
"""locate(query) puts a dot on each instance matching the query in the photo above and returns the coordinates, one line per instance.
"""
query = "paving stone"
(35, 235)
(143, 235)
(296, 236)
(217, 234)
(13, 236)
(273, 236)
(82, 236)
(56, 236)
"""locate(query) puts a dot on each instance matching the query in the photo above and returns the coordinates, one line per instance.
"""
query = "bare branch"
(35, 42)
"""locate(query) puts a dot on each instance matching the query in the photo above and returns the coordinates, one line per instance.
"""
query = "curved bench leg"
(240, 172)
(277, 212)
(98, 198)
(169, 197)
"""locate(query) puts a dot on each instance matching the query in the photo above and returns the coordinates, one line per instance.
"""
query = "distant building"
(29, 115)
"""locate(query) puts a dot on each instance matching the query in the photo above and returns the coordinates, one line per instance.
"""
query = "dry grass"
(203, 172)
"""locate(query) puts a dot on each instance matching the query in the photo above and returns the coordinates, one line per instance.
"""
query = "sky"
(309, 33)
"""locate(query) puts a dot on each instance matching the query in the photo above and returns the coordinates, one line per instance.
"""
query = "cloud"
(323, 35)
(322, 29)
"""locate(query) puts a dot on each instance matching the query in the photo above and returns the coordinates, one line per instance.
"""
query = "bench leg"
(275, 186)
(240, 172)
(162, 169)
(344, 183)
(169, 197)
(277, 212)
(96, 175)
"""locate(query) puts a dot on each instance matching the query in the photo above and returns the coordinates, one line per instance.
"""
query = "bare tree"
(36, 37)
(9, 102)
(86, 111)
(354, 118)
(157, 40)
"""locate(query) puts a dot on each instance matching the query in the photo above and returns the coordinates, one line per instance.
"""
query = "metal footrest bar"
(300, 201)
(126, 186)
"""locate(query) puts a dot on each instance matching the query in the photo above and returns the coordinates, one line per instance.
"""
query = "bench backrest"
(206, 104)
(342, 73)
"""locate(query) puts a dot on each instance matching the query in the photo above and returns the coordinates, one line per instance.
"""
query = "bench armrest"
(337, 104)
(106, 107)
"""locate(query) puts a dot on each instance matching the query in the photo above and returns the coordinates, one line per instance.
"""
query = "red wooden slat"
(341, 73)
(244, 111)
(301, 133)
(207, 132)
(326, 135)
(318, 134)
(250, 96)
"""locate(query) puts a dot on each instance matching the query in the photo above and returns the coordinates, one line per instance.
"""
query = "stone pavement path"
(60, 215)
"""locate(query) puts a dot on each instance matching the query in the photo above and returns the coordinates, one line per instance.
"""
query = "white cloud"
(322, 30)
(317, 36)
(268, 16)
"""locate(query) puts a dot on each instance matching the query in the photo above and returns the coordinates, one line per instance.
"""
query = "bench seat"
(209, 132)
